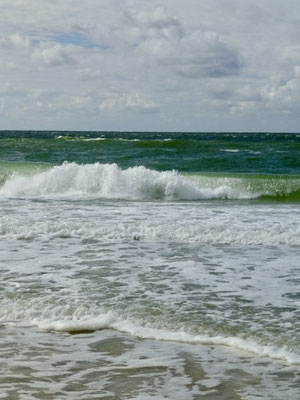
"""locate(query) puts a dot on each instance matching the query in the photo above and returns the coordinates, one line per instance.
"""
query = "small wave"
(240, 151)
(94, 139)
(68, 314)
(80, 138)
(230, 150)
(110, 321)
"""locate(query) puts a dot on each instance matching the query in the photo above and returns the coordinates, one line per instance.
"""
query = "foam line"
(110, 321)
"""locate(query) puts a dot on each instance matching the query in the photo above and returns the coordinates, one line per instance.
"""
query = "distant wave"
(109, 181)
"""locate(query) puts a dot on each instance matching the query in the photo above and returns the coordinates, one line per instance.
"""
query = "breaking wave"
(109, 181)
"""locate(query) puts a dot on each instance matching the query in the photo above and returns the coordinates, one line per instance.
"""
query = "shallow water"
(110, 365)
(195, 299)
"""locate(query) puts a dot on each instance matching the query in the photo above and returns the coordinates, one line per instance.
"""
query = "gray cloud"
(193, 54)
(112, 64)
(205, 55)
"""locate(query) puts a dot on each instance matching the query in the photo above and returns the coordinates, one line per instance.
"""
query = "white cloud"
(297, 71)
(282, 92)
(18, 40)
(15, 41)
(2, 110)
(79, 101)
(53, 54)
(129, 101)
(157, 23)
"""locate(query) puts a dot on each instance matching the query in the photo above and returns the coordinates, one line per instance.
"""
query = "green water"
(264, 153)
(249, 165)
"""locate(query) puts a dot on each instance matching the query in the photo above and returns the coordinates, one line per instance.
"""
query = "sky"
(140, 65)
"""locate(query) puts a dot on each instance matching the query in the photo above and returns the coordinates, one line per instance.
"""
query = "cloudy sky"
(169, 65)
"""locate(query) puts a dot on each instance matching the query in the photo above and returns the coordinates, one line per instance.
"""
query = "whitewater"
(146, 266)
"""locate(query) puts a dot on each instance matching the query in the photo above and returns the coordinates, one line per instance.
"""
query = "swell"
(109, 181)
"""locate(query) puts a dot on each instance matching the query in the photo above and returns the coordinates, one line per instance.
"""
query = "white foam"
(92, 324)
(94, 139)
(151, 221)
(110, 321)
(157, 222)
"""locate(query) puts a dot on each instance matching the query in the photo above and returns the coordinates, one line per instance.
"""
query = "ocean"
(149, 265)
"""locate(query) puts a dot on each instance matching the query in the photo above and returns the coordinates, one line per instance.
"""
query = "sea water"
(149, 265)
